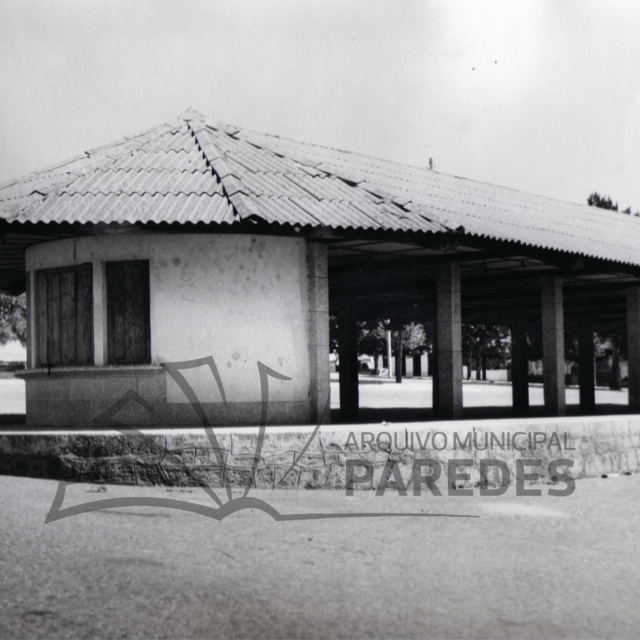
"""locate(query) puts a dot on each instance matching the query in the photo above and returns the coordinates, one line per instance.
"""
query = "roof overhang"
(393, 274)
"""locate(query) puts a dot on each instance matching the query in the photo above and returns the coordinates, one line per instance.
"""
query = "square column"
(447, 383)
(434, 366)
(633, 346)
(348, 353)
(519, 364)
(424, 365)
(32, 322)
(320, 370)
(399, 336)
(586, 366)
(554, 367)
(100, 344)
(408, 363)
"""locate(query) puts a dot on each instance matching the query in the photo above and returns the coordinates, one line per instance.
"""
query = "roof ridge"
(86, 155)
(125, 139)
(34, 175)
(223, 173)
(232, 185)
(192, 114)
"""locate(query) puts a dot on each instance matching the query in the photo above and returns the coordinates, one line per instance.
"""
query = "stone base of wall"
(290, 458)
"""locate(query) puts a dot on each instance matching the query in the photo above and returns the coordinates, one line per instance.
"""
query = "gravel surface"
(528, 567)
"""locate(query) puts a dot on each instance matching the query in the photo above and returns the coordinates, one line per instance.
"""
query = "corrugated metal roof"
(141, 182)
(137, 208)
(193, 171)
(481, 209)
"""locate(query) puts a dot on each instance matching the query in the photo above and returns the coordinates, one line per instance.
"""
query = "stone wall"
(597, 446)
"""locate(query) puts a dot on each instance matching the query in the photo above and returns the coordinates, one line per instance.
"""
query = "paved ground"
(527, 568)
(376, 393)
(12, 397)
(382, 399)
(417, 392)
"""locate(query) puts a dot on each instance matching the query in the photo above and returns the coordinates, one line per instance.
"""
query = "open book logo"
(222, 509)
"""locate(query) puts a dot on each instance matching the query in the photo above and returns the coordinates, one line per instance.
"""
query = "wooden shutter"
(64, 316)
(128, 326)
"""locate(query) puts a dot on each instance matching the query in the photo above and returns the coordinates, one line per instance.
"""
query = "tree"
(487, 344)
(602, 202)
(605, 202)
(415, 338)
(13, 318)
(372, 337)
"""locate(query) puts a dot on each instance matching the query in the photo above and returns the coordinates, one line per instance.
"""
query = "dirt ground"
(527, 567)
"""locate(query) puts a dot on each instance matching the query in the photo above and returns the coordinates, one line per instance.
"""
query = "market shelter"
(206, 249)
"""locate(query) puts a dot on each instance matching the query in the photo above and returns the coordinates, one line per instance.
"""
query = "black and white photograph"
(319, 319)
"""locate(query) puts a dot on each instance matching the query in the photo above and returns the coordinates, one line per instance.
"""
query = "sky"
(538, 96)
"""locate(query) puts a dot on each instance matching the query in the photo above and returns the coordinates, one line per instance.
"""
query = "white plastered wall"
(238, 298)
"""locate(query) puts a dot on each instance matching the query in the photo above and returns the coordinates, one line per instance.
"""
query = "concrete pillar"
(519, 364)
(448, 344)
(633, 346)
(100, 341)
(586, 366)
(424, 365)
(319, 374)
(389, 357)
(31, 320)
(348, 353)
(399, 356)
(614, 378)
(554, 368)
(434, 366)
(408, 366)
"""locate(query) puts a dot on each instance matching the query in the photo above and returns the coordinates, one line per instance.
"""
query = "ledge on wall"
(90, 372)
